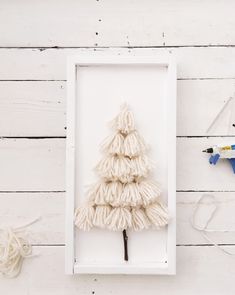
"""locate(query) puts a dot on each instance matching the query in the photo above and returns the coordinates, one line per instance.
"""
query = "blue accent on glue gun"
(214, 159)
(233, 146)
(232, 162)
(211, 160)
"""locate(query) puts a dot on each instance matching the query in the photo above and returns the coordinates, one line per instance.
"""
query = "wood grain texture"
(42, 103)
(201, 270)
(32, 108)
(50, 64)
(38, 165)
(199, 102)
(49, 230)
(32, 164)
(111, 23)
(201, 36)
(20, 208)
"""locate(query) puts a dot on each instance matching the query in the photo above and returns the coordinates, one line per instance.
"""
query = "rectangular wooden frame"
(71, 267)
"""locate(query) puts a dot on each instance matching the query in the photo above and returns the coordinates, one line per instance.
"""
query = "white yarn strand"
(204, 230)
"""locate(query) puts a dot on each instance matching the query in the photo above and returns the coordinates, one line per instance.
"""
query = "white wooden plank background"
(50, 64)
(49, 206)
(117, 23)
(35, 39)
(201, 270)
(43, 103)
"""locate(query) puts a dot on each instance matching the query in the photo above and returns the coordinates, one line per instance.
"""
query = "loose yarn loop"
(84, 217)
(204, 230)
(101, 215)
(157, 214)
(119, 219)
(14, 248)
(124, 122)
(139, 219)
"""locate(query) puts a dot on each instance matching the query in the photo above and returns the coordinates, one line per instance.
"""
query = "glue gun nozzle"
(210, 150)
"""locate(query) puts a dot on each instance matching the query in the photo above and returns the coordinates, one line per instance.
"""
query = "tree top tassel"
(124, 122)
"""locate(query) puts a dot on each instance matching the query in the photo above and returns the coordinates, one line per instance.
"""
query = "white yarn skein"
(14, 248)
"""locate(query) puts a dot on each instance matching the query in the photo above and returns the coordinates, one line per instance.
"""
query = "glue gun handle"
(232, 162)
(214, 159)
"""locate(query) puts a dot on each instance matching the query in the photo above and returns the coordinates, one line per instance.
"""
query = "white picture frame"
(74, 64)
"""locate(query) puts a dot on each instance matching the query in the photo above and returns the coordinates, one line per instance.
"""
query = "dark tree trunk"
(125, 240)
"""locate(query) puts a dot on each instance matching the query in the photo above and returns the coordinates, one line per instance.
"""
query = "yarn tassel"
(130, 195)
(140, 220)
(134, 144)
(97, 192)
(113, 144)
(115, 168)
(84, 217)
(113, 193)
(119, 219)
(149, 192)
(140, 166)
(101, 214)
(157, 214)
(124, 122)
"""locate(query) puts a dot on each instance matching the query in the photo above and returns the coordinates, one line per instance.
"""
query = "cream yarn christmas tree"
(124, 197)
